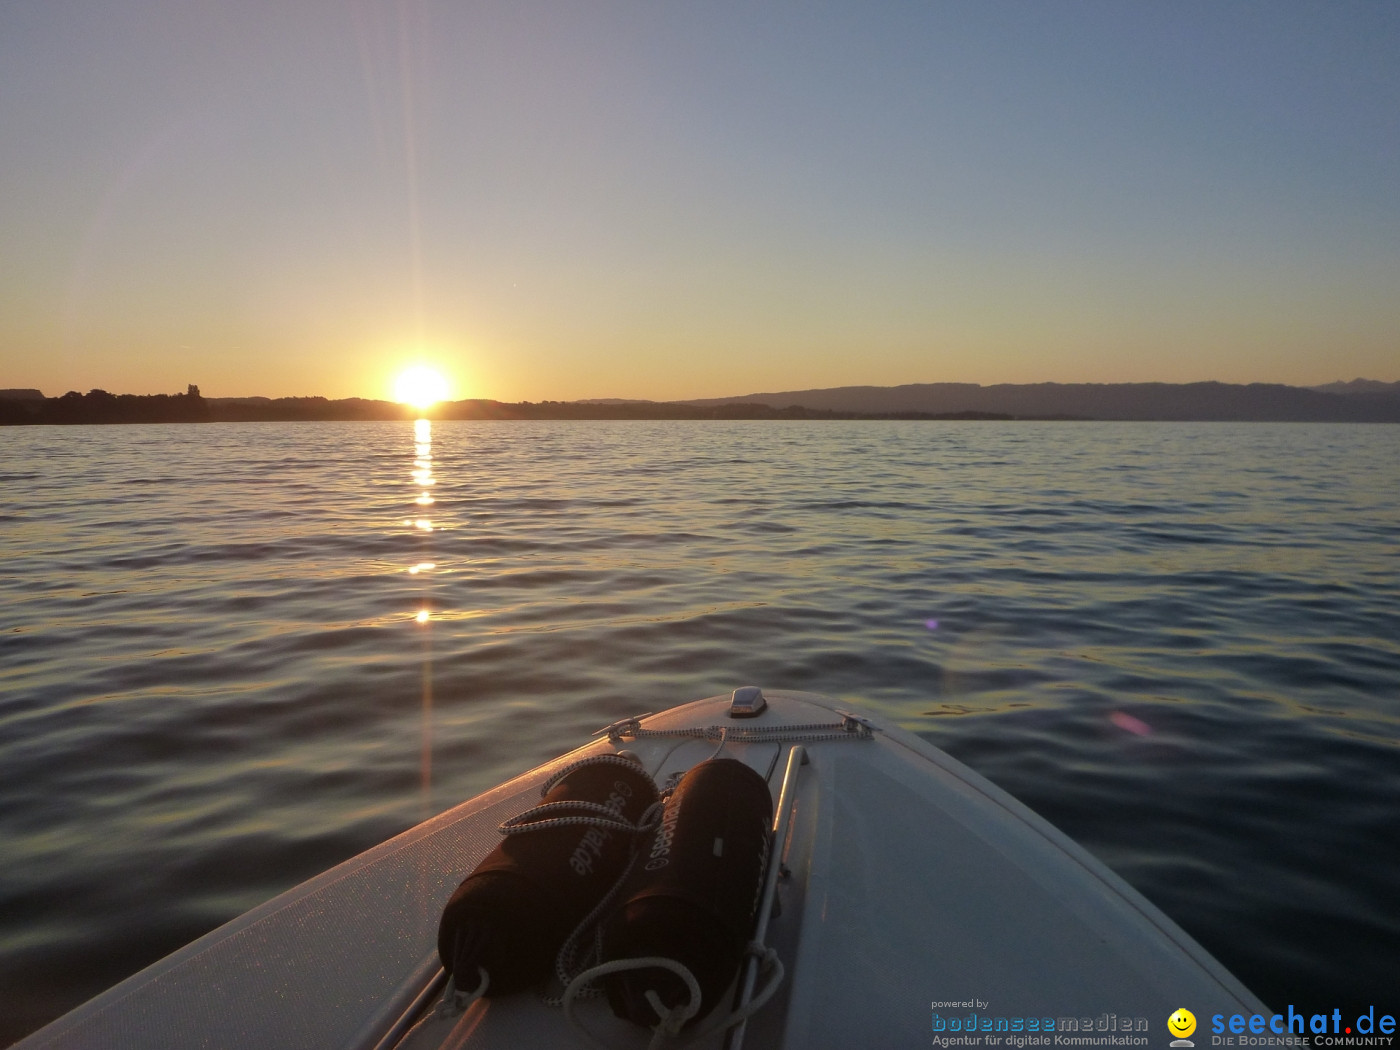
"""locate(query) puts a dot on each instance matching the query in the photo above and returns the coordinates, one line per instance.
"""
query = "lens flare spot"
(932, 625)
(422, 616)
(1129, 724)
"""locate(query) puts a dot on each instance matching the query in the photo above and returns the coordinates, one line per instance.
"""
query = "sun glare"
(420, 386)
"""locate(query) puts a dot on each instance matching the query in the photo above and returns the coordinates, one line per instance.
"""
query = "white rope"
(592, 760)
(767, 958)
(672, 1021)
(455, 1001)
(540, 818)
(580, 812)
(723, 739)
(564, 962)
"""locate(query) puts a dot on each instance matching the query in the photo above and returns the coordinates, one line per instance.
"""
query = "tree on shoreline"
(101, 406)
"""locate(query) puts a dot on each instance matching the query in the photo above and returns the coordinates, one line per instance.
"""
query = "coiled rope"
(575, 813)
(673, 1020)
(455, 1001)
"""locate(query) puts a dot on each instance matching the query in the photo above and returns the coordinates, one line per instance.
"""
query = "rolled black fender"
(511, 915)
(693, 892)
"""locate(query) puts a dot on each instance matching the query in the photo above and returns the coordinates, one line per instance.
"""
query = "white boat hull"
(912, 882)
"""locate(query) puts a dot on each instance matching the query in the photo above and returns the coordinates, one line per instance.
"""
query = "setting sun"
(420, 386)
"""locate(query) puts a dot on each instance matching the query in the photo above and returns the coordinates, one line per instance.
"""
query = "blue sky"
(567, 200)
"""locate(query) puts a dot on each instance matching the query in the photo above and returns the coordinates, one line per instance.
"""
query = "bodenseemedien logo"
(1181, 1024)
(1008, 1032)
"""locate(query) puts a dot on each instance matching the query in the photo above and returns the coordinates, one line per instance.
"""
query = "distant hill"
(1359, 401)
(302, 409)
(1262, 402)
(1360, 386)
(619, 408)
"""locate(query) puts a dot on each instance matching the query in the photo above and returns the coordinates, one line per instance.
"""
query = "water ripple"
(1176, 641)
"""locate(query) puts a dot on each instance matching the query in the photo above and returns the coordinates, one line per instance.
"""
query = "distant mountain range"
(1361, 400)
(1359, 386)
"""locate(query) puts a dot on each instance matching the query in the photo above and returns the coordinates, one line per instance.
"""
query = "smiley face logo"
(1182, 1023)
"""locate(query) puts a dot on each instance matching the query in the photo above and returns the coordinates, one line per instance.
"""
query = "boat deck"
(910, 882)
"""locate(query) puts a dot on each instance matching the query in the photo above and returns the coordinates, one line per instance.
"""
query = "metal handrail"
(782, 820)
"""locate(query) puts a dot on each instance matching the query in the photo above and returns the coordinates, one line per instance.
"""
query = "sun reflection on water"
(422, 475)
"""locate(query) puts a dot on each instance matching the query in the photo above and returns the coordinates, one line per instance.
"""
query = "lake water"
(233, 655)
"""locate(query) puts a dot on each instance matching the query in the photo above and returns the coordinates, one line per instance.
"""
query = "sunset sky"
(665, 200)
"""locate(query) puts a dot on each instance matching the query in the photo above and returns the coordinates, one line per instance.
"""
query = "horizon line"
(28, 393)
